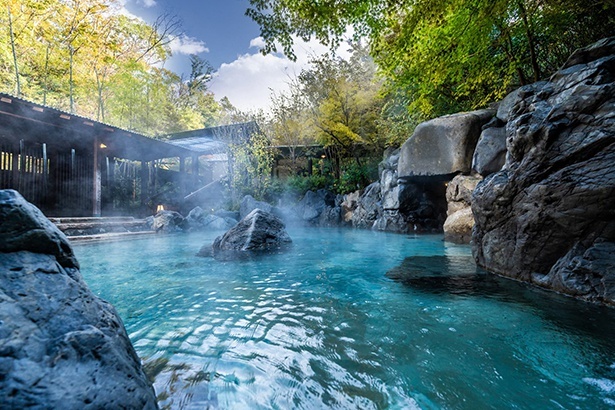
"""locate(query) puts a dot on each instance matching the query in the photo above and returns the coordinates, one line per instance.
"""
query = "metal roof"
(213, 140)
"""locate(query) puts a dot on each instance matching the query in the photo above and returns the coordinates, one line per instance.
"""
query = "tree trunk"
(530, 40)
(12, 34)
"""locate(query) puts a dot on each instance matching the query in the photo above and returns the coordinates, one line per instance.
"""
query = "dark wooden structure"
(67, 164)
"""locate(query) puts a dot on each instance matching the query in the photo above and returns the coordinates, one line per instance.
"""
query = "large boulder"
(368, 207)
(24, 228)
(549, 216)
(490, 153)
(318, 208)
(249, 204)
(442, 146)
(460, 220)
(259, 232)
(198, 219)
(169, 222)
(60, 345)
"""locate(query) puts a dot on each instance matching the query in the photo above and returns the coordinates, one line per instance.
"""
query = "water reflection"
(322, 327)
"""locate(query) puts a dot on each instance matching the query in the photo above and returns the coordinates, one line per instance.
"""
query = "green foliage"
(252, 161)
(355, 176)
(298, 185)
(86, 57)
(443, 56)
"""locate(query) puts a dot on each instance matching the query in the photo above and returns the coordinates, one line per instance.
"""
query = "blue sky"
(219, 31)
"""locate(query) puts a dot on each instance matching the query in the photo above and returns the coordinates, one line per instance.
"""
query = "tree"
(445, 55)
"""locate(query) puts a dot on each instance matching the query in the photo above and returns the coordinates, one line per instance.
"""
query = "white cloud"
(148, 3)
(184, 44)
(249, 80)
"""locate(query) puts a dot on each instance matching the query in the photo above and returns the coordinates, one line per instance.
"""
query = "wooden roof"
(23, 119)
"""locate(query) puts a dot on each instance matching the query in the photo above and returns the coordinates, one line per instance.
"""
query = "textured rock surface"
(259, 232)
(460, 220)
(442, 146)
(23, 227)
(198, 219)
(249, 204)
(61, 347)
(368, 207)
(168, 222)
(490, 153)
(316, 208)
(549, 216)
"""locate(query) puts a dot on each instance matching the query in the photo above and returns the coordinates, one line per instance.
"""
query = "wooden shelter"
(66, 164)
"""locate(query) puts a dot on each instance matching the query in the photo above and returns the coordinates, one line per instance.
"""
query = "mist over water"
(322, 327)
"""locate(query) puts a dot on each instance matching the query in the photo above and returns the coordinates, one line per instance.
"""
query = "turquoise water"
(321, 327)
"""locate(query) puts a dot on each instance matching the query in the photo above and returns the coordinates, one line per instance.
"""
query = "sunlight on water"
(322, 327)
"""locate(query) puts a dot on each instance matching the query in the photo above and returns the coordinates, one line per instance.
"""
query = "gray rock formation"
(314, 204)
(248, 204)
(198, 219)
(460, 220)
(490, 153)
(24, 228)
(169, 222)
(549, 216)
(368, 207)
(442, 146)
(61, 347)
(259, 232)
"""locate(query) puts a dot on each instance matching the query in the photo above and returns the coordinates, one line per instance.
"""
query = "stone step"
(101, 224)
(113, 236)
(101, 227)
(89, 219)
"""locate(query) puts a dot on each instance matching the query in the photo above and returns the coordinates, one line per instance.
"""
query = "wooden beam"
(96, 181)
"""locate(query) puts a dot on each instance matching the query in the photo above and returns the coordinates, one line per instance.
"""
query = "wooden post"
(182, 176)
(144, 182)
(15, 168)
(96, 181)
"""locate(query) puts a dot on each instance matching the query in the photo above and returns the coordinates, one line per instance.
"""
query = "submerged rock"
(549, 216)
(60, 345)
(259, 232)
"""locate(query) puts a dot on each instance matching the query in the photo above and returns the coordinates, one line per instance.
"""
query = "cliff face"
(60, 345)
(548, 217)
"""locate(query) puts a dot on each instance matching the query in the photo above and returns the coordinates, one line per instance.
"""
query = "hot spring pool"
(321, 327)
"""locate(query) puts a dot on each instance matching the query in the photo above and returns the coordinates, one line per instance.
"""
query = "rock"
(259, 232)
(442, 146)
(490, 153)
(585, 55)
(389, 189)
(368, 207)
(422, 203)
(168, 222)
(349, 204)
(248, 204)
(458, 226)
(391, 220)
(587, 273)
(60, 345)
(23, 227)
(222, 213)
(508, 104)
(549, 215)
(460, 220)
(198, 219)
(459, 192)
(313, 204)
